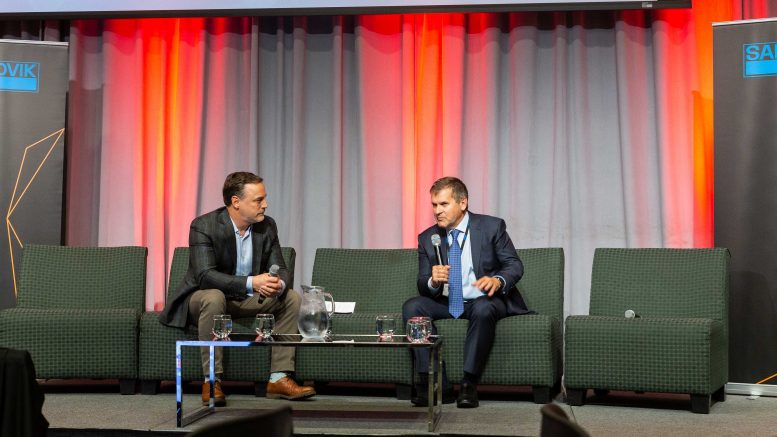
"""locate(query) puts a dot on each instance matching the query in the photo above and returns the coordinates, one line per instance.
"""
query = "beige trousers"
(204, 304)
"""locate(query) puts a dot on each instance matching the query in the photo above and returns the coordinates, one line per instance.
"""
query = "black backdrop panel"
(33, 90)
(745, 72)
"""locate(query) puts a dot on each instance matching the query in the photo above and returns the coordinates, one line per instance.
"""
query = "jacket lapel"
(228, 235)
(257, 241)
(475, 239)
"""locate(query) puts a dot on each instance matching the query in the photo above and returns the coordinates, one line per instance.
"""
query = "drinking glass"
(222, 326)
(264, 325)
(385, 326)
(419, 329)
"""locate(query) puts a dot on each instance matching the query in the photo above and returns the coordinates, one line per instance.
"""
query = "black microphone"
(274, 270)
(436, 243)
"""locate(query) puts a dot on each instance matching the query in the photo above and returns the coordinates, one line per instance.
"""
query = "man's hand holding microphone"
(268, 284)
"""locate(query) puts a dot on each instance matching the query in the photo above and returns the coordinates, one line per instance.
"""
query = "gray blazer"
(213, 260)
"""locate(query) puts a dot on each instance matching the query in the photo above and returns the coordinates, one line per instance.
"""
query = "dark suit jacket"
(213, 260)
(493, 254)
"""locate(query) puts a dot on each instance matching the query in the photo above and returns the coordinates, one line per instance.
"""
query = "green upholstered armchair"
(77, 312)
(679, 342)
(379, 281)
(527, 348)
(157, 341)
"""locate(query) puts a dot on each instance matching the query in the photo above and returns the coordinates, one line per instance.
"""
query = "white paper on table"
(342, 307)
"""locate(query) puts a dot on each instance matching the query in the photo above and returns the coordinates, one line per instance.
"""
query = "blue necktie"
(455, 296)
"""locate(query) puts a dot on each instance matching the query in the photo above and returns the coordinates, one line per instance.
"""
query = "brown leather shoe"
(218, 395)
(286, 388)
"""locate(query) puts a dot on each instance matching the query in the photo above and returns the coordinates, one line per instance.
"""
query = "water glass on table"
(264, 325)
(385, 326)
(419, 329)
(222, 326)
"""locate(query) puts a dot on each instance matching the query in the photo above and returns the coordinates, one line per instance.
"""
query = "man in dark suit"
(474, 278)
(230, 252)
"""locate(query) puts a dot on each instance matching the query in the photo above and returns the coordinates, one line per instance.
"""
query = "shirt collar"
(237, 231)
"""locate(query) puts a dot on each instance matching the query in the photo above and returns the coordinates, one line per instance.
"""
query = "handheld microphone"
(630, 314)
(436, 243)
(274, 270)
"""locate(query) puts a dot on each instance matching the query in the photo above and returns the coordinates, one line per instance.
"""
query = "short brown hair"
(455, 184)
(234, 184)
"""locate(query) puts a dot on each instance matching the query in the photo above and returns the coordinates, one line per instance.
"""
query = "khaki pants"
(204, 304)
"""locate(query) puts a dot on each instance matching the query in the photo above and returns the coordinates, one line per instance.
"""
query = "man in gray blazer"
(230, 252)
(467, 268)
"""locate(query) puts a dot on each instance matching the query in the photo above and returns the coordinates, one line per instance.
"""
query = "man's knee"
(485, 309)
(212, 301)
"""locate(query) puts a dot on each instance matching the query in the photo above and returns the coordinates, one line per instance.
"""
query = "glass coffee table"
(400, 343)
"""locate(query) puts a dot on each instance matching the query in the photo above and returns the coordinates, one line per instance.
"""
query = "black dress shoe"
(468, 396)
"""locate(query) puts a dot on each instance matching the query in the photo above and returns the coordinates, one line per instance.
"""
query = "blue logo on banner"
(19, 76)
(759, 59)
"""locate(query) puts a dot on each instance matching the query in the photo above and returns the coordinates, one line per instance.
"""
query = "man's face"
(447, 211)
(251, 206)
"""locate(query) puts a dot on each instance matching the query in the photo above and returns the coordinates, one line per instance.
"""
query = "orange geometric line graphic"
(766, 379)
(16, 200)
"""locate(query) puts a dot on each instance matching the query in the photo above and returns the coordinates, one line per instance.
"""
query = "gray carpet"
(619, 413)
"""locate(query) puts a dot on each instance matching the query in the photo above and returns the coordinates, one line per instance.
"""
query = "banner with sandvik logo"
(745, 86)
(33, 95)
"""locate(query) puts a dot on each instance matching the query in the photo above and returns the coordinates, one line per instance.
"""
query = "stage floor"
(365, 410)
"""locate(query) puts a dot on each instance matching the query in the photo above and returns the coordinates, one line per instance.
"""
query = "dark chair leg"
(720, 395)
(260, 389)
(601, 391)
(149, 387)
(576, 397)
(127, 386)
(541, 394)
(404, 392)
(700, 404)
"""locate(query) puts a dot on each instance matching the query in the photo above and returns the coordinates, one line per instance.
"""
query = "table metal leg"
(435, 388)
(180, 419)
(178, 396)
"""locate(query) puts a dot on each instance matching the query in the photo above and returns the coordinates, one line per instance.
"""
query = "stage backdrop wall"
(745, 190)
(33, 91)
(581, 130)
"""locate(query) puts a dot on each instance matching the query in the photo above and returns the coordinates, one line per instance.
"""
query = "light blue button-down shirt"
(245, 254)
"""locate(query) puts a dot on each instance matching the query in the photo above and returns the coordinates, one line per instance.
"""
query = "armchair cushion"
(77, 310)
(680, 341)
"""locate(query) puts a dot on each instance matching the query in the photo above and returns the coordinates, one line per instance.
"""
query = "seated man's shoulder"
(487, 219)
(429, 231)
(209, 218)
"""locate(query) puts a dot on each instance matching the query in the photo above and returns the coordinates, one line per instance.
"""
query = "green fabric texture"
(157, 342)
(67, 343)
(379, 281)
(78, 309)
(82, 277)
(679, 343)
(527, 348)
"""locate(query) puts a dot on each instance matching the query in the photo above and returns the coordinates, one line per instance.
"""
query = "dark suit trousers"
(482, 313)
